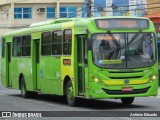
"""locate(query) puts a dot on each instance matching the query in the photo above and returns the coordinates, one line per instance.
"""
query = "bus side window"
(67, 42)
(17, 47)
(57, 42)
(26, 45)
(3, 47)
(46, 43)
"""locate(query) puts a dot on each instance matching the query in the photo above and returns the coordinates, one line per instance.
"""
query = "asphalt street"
(11, 100)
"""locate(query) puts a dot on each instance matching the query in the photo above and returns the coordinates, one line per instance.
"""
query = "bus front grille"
(120, 92)
(125, 77)
(126, 74)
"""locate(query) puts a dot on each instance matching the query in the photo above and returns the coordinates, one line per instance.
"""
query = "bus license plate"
(126, 89)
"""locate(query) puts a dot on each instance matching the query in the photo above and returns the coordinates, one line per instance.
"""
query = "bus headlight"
(153, 77)
(95, 79)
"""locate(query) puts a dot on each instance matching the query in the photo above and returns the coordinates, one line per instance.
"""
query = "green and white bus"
(94, 58)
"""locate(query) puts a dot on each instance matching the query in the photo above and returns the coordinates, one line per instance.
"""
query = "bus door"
(36, 57)
(82, 70)
(9, 64)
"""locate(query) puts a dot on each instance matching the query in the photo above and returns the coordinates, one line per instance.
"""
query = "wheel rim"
(70, 94)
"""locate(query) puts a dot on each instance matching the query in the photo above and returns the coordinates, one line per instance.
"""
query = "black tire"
(33, 94)
(71, 100)
(24, 92)
(127, 101)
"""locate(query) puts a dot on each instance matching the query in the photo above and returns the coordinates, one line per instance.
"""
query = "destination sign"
(122, 23)
(106, 37)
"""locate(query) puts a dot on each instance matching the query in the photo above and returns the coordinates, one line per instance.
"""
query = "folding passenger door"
(9, 64)
(82, 63)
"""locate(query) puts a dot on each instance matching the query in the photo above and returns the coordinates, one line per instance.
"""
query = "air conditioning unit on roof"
(3, 11)
(40, 10)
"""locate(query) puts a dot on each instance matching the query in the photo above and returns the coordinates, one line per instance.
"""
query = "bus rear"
(122, 59)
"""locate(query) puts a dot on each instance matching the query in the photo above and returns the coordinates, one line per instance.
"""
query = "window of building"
(26, 45)
(50, 12)
(57, 43)
(68, 12)
(46, 43)
(67, 42)
(22, 13)
(17, 49)
(3, 47)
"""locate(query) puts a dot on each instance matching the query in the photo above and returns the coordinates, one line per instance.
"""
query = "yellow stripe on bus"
(121, 82)
(68, 25)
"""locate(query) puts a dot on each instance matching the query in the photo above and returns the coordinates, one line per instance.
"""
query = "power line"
(77, 14)
(132, 9)
(86, 12)
(94, 6)
(127, 5)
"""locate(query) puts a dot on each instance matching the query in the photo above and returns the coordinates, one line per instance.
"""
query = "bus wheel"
(71, 100)
(127, 101)
(24, 92)
(33, 94)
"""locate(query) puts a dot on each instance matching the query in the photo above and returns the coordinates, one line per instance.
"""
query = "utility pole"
(89, 8)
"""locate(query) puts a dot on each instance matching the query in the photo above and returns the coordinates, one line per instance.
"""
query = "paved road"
(11, 100)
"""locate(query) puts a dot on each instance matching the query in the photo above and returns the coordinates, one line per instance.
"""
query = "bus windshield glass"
(124, 50)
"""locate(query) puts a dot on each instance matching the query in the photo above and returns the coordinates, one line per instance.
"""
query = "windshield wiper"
(113, 39)
(116, 52)
(133, 38)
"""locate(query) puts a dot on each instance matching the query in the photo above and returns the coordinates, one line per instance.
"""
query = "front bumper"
(101, 91)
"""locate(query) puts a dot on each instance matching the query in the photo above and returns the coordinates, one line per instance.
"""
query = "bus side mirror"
(89, 44)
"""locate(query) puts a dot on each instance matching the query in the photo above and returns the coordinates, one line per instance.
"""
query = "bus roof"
(64, 20)
(57, 23)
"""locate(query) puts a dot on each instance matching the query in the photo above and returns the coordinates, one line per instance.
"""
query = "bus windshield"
(124, 50)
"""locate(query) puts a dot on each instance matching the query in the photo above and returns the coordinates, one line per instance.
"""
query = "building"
(153, 12)
(153, 7)
(17, 14)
